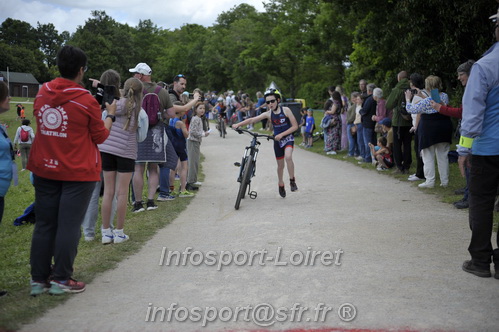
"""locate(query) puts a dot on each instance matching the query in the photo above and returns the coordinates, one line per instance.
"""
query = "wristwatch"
(112, 117)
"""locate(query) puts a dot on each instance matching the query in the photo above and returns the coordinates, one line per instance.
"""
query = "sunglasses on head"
(271, 101)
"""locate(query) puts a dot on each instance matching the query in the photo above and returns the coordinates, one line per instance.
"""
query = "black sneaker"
(151, 205)
(282, 191)
(469, 267)
(138, 207)
(292, 183)
(462, 204)
(190, 187)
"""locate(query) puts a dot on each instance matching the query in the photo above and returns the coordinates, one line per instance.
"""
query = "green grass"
(93, 258)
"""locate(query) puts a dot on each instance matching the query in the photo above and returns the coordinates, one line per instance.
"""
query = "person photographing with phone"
(284, 124)
(434, 133)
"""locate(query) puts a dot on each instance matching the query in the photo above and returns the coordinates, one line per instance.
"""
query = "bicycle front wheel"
(247, 173)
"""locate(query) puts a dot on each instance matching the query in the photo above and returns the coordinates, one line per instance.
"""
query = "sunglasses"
(271, 101)
(178, 76)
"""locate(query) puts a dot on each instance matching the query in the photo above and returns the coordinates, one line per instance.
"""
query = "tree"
(50, 42)
(107, 44)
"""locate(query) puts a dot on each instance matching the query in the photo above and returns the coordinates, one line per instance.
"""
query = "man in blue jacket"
(479, 146)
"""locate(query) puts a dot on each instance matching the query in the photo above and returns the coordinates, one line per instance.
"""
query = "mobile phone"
(435, 96)
(105, 93)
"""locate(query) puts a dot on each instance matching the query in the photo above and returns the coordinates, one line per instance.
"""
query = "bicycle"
(247, 166)
(221, 126)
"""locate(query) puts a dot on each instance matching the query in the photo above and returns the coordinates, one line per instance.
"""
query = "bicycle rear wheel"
(247, 173)
(222, 127)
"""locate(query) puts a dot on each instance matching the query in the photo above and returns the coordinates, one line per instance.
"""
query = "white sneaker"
(413, 177)
(89, 238)
(359, 158)
(331, 152)
(107, 238)
(198, 183)
(426, 185)
(120, 237)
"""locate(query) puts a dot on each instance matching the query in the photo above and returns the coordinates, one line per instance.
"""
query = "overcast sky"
(166, 14)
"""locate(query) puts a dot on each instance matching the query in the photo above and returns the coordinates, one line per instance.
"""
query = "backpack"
(326, 121)
(24, 135)
(152, 105)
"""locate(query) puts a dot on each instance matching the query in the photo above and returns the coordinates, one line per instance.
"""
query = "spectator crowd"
(147, 134)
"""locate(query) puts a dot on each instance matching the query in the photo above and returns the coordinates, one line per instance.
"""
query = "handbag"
(142, 126)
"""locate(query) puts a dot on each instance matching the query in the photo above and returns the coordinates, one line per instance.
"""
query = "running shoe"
(151, 205)
(186, 193)
(138, 207)
(38, 288)
(120, 237)
(59, 287)
(282, 191)
(169, 197)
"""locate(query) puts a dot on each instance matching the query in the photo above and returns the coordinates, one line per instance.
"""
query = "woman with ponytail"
(118, 154)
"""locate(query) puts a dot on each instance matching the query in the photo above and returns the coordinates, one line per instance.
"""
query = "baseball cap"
(386, 122)
(141, 68)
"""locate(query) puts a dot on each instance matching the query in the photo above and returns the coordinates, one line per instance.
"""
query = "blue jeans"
(467, 188)
(353, 147)
(368, 138)
(360, 140)
(164, 181)
(240, 116)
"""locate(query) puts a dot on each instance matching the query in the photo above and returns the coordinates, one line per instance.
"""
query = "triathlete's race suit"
(281, 123)
(178, 139)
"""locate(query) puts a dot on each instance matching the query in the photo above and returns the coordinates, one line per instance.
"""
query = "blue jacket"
(480, 123)
(5, 162)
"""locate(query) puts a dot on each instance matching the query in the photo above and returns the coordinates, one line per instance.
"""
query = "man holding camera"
(167, 109)
(401, 127)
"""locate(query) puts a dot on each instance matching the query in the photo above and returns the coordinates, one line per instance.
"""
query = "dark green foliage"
(303, 45)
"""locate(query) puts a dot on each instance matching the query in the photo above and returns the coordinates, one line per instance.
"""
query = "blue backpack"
(28, 217)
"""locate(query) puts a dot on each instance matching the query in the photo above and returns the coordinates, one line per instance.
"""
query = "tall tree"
(107, 44)
(50, 42)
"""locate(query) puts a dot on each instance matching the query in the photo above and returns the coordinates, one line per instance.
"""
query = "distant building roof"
(24, 78)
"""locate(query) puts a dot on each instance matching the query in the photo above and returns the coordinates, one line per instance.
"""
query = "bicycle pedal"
(252, 194)
(238, 164)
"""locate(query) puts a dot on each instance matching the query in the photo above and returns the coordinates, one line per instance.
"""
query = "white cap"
(141, 68)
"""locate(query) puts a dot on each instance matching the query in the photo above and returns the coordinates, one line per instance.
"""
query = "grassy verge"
(17, 307)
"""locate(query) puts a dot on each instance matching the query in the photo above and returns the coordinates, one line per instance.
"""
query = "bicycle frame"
(247, 167)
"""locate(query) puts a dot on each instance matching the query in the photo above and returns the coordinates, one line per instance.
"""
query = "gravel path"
(386, 256)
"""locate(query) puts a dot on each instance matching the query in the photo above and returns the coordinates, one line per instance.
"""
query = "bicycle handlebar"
(241, 130)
